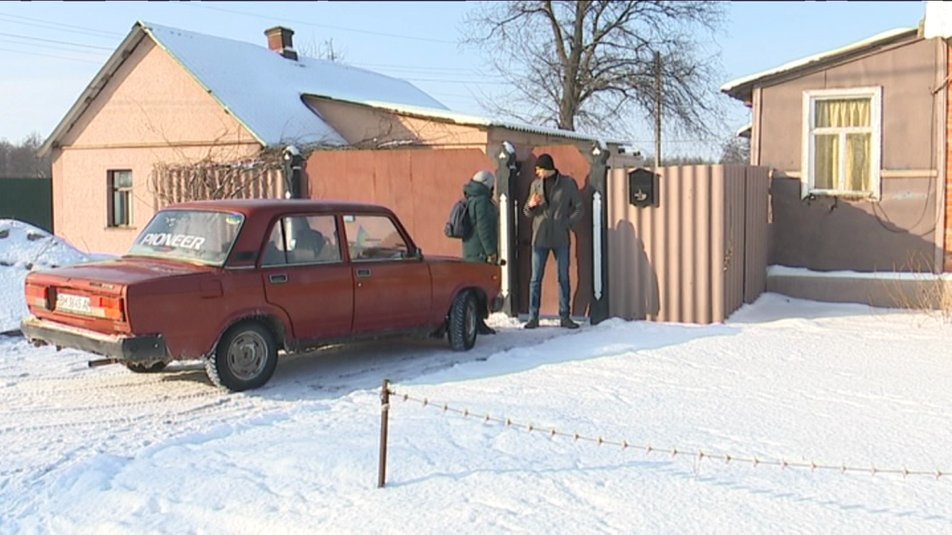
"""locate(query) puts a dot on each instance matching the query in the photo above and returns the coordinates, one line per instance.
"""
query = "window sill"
(120, 228)
(845, 195)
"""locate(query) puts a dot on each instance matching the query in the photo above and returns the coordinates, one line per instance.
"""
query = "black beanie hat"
(544, 161)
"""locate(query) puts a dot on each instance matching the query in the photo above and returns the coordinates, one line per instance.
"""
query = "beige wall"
(366, 127)
(130, 125)
(898, 231)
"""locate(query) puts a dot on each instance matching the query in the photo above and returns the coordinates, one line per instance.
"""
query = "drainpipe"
(942, 239)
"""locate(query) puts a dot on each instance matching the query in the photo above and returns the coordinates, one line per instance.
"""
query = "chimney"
(279, 40)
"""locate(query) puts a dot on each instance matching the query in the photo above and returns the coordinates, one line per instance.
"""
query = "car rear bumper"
(140, 349)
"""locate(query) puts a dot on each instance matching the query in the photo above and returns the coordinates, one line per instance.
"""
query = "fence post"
(384, 418)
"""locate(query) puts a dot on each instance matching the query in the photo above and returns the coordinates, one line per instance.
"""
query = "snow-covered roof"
(261, 88)
(264, 90)
(741, 86)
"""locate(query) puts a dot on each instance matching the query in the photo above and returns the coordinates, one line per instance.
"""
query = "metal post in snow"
(384, 418)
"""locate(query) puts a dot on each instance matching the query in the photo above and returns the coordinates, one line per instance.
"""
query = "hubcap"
(247, 355)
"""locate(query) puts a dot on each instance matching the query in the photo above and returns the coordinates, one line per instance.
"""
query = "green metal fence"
(27, 199)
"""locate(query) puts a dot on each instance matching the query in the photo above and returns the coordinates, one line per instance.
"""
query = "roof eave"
(742, 88)
(94, 87)
(461, 119)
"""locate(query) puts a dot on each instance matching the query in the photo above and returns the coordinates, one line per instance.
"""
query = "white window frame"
(126, 191)
(807, 180)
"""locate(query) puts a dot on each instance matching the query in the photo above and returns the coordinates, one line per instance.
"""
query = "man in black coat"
(555, 206)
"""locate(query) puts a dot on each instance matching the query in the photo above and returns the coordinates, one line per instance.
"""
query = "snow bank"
(24, 248)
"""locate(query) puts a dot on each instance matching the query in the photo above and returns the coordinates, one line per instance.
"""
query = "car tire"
(245, 358)
(138, 367)
(462, 322)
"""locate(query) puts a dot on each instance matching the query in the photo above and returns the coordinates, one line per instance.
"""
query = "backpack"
(458, 224)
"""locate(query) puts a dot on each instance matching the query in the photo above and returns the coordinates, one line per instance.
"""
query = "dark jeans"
(539, 257)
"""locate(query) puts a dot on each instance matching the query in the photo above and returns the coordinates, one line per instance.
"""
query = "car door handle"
(363, 273)
(278, 278)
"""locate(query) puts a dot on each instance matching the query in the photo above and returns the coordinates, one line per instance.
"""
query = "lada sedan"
(232, 282)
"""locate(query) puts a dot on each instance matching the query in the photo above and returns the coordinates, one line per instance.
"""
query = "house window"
(120, 198)
(842, 136)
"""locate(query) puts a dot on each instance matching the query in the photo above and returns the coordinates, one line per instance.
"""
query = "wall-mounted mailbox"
(642, 187)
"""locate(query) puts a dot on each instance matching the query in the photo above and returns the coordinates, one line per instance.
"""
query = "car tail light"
(38, 296)
(107, 307)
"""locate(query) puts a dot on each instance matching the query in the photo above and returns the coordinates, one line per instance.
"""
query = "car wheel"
(461, 329)
(138, 367)
(245, 358)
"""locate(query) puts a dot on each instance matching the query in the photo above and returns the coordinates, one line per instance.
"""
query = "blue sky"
(49, 51)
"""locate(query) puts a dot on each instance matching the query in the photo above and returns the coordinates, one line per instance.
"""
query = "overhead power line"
(424, 69)
(40, 23)
(70, 43)
(329, 26)
(51, 56)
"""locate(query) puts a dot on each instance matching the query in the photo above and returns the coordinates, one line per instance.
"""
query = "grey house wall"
(896, 233)
(695, 256)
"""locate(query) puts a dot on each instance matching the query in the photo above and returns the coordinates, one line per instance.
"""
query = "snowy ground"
(103, 450)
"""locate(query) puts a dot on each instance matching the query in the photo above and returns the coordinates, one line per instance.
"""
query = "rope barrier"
(700, 455)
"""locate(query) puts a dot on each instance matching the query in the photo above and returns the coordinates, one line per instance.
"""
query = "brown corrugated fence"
(698, 253)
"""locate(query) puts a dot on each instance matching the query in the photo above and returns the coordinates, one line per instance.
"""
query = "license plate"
(77, 304)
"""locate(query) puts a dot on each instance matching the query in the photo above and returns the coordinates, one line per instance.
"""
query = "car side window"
(302, 240)
(325, 244)
(374, 238)
(275, 249)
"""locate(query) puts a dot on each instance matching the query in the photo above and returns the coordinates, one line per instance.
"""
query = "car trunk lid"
(93, 296)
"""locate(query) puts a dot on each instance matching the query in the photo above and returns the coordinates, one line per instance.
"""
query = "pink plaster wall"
(150, 111)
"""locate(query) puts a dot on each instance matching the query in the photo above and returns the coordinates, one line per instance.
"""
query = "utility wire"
(422, 68)
(306, 23)
(50, 56)
(31, 39)
(40, 23)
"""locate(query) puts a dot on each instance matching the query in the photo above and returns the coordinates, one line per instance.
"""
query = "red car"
(231, 282)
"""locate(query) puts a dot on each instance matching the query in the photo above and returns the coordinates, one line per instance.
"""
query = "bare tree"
(736, 150)
(324, 50)
(22, 161)
(587, 64)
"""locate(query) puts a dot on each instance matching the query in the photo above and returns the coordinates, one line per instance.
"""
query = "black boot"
(568, 323)
(482, 328)
(533, 323)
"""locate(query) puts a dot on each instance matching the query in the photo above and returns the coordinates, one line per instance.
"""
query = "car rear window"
(191, 236)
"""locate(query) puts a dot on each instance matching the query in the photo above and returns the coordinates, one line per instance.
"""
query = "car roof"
(267, 207)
